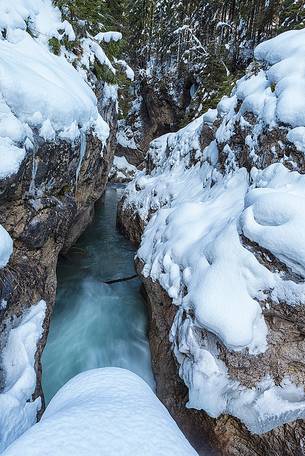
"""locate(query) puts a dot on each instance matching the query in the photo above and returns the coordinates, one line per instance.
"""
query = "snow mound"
(122, 170)
(17, 409)
(274, 217)
(106, 411)
(281, 47)
(273, 89)
(277, 95)
(34, 81)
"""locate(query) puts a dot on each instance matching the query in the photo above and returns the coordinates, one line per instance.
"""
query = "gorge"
(95, 324)
(152, 226)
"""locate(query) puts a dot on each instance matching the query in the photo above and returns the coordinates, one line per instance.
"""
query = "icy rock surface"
(106, 411)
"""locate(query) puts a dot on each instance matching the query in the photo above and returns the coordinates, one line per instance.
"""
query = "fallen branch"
(123, 279)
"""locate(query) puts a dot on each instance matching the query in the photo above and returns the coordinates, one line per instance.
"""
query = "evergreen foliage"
(197, 45)
(89, 17)
(208, 42)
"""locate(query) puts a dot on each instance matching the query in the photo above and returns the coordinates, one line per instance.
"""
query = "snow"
(273, 89)
(122, 164)
(39, 90)
(6, 247)
(201, 237)
(36, 81)
(106, 411)
(3, 304)
(281, 47)
(92, 49)
(261, 408)
(210, 116)
(285, 53)
(297, 137)
(129, 71)
(274, 216)
(11, 157)
(125, 137)
(17, 14)
(17, 409)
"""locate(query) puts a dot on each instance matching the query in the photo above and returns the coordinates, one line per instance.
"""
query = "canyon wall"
(218, 213)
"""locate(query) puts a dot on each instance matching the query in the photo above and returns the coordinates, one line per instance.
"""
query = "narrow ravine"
(96, 324)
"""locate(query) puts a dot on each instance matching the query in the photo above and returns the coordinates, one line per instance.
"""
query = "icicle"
(83, 146)
(32, 188)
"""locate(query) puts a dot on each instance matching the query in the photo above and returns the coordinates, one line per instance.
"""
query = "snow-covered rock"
(121, 170)
(222, 204)
(39, 91)
(106, 411)
(17, 411)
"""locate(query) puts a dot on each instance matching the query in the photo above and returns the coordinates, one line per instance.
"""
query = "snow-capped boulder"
(106, 411)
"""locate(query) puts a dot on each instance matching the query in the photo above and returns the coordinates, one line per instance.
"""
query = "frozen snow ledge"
(104, 412)
(122, 170)
(17, 409)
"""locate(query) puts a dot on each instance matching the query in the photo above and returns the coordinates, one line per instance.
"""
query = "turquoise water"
(95, 324)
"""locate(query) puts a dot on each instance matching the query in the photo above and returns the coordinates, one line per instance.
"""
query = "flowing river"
(96, 324)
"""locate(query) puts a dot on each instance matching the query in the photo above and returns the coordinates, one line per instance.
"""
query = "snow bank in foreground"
(39, 91)
(104, 412)
(17, 410)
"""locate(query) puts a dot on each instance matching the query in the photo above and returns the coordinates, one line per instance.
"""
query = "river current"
(95, 324)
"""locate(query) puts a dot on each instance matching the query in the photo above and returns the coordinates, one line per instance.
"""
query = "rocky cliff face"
(218, 211)
(153, 112)
(45, 207)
